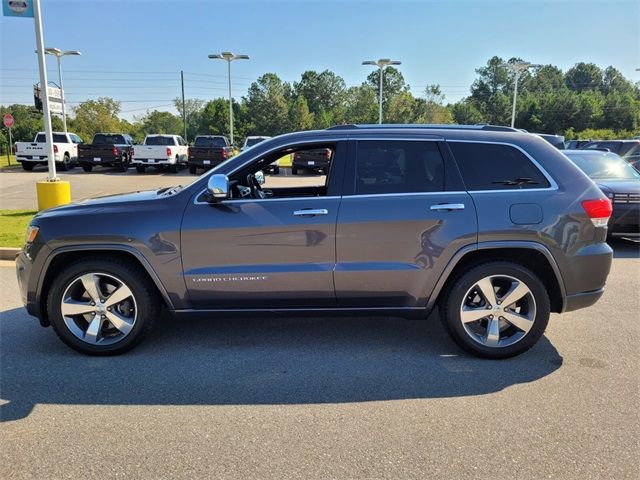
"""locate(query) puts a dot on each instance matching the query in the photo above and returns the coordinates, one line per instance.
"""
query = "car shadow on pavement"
(257, 362)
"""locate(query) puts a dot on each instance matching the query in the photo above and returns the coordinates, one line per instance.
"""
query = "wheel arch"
(56, 261)
(531, 255)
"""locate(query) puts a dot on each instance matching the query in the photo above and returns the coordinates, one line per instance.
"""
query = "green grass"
(4, 164)
(13, 224)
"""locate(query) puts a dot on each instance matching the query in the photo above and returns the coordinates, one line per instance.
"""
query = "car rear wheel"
(66, 163)
(87, 168)
(27, 166)
(102, 307)
(124, 164)
(496, 310)
(193, 169)
(140, 168)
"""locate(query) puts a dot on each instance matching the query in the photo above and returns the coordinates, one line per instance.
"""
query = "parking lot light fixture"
(229, 57)
(381, 64)
(59, 54)
(517, 68)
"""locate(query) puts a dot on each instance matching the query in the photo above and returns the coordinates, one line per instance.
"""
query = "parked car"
(106, 150)
(160, 151)
(620, 182)
(250, 141)
(65, 151)
(496, 227)
(627, 149)
(575, 144)
(208, 151)
(316, 160)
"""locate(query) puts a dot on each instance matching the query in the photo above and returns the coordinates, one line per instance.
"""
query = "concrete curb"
(7, 253)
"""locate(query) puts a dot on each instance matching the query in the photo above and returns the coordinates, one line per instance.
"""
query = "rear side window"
(488, 166)
(398, 167)
(57, 138)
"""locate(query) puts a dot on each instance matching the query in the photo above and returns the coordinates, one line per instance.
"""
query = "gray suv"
(495, 227)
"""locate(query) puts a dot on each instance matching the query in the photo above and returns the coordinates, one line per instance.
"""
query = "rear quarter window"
(488, 166)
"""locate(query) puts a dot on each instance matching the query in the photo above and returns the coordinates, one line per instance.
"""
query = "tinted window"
(159, 141)
(487, 166)
(254, 141)
(102, 139)
(57, 138)
(210, 142)
(398, 167)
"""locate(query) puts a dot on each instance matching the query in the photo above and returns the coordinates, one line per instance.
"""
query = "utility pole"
(381, 64)
(517, 68)
(184, 112)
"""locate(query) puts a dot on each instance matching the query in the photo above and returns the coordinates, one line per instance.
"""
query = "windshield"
(159, 141)
(603, 166)
(210, 142)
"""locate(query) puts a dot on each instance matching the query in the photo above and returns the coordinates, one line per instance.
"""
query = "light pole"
(381, 64)
(229, 57)
(59, 54)
(517, 68)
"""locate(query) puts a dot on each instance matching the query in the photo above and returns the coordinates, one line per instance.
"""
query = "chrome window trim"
(405, 194)
(552, 183)
(259, 200)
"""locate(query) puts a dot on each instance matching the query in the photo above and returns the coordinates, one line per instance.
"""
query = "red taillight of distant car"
(168, 152)
(55, 149)
(115, 151)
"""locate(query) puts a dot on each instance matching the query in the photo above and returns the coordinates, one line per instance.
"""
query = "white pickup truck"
(65, 151)
(161, 151)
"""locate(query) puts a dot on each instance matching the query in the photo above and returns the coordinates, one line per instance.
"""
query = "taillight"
(115, 151)
(55, 149)
(327, 153)
(599, 211)
(224, 153)
(168, 152)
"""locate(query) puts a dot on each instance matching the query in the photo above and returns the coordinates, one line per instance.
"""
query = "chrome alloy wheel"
(99, 308)
(498, 311)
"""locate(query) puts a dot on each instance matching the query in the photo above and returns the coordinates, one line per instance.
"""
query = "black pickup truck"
(316, 160)
(208, 151)
(107, 150)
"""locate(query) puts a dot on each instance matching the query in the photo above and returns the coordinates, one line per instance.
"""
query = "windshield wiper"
(518, 182)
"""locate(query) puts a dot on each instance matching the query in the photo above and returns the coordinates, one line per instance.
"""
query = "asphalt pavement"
(354, 398)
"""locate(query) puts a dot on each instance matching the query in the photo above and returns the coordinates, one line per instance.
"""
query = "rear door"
(405, 215)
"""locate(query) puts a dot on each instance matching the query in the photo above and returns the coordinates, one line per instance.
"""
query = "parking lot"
(325, 398)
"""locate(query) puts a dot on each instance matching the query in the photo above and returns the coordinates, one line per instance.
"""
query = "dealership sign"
(17, 8)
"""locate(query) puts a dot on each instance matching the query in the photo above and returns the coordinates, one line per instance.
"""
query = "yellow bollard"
(52, 194)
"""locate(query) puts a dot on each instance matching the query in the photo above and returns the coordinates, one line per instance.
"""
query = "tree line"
(583, 102)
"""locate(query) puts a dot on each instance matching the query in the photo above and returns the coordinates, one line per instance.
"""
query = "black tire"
(294, 171)
(86, 167)
(66, 163)
(193, 170)
(141, 168)
(457, 294)
(28, 166)
(144, 291)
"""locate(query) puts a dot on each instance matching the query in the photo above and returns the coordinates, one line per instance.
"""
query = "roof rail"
(491, 128)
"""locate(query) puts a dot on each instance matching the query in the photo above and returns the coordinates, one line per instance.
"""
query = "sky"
(134, 50)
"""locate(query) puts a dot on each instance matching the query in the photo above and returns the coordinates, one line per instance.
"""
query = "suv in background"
(627, 149)
(496, 227)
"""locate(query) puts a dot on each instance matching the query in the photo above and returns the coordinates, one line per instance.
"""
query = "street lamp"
(59, 54)
(381, 64)
(229, 57)
(517, 68)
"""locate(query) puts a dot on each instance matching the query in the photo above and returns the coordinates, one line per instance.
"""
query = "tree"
(361, 105)
(160, 122)
(392, 83)
(324, 93)
(28, 122)
(267, 105)
(465, 113)
(93, 116)
(299, 116)
(430, 109)
(583, 76)
(192, 112)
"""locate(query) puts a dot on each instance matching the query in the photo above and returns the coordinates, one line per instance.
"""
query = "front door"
(276, 252)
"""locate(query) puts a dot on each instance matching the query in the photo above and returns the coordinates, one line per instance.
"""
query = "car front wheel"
(102, 307)
(496, 310)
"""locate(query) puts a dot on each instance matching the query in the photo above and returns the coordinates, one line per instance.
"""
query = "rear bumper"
(203, 163)
(103, 161)
(582, 300)
(585, 274)
(153, 161)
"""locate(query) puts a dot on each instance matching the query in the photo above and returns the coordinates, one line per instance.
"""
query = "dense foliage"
(583, 102)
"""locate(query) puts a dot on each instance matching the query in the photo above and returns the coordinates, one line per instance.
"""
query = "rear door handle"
(310, 212)
(448, 206)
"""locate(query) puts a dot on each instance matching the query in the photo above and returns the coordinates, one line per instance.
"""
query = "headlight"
(32, 233)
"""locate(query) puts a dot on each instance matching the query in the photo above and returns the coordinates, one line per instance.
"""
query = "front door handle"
(448, 206)
(311, 212)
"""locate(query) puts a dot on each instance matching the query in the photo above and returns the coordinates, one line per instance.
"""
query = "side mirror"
(218, 187)
(259, 177)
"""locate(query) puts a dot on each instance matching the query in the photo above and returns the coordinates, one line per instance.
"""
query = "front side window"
(490, 166)
(398, 167)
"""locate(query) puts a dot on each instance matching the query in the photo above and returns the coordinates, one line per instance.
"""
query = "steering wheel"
(254, 185)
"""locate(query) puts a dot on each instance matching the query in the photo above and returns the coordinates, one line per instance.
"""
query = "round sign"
(8, 120)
